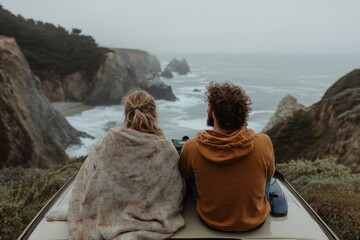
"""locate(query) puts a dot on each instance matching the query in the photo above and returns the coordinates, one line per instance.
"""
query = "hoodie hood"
(225, 148)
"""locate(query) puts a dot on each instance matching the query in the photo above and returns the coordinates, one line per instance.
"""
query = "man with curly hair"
(230, 164)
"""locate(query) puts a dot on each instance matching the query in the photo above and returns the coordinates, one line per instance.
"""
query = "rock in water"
(167, 73)
(125, 70)
(33, 134)
(111, 83)
(146, 68)
(155, 87)
(180, 67)
(140, 61)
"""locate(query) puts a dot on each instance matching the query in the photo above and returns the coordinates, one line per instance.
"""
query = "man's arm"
(185, 163)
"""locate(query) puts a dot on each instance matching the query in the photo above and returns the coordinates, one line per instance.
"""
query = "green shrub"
(331, 190)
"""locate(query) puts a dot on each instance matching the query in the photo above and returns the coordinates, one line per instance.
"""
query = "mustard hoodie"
(230, 173)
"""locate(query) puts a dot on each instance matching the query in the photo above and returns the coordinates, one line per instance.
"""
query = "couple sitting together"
(131, 185)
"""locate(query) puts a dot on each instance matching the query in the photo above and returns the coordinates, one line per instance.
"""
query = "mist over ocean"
(266, 79)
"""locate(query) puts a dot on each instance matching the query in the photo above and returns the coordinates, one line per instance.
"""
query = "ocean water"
(267, 79)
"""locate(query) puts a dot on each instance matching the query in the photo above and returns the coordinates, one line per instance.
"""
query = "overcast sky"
(230, 26)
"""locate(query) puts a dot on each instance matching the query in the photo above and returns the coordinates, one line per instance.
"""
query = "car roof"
(301, 222)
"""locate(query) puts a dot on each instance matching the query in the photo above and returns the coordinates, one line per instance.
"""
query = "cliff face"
(350, 80)
(33, 134)
(140, 61)
(327, 128)
(122, 71)
(125, 70)
(71, 66)
(111, 82)
(286, 109)
(146, 68)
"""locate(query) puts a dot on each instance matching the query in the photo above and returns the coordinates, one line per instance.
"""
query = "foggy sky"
(229, 26)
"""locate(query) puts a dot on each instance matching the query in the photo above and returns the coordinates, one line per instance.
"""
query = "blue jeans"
(267, 188)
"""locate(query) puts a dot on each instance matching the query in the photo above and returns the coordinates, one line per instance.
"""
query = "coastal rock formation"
(140, 61)
(167, 73)
(76, 87)
(180, 67)
(123, 71)
(153, 85)
(111, 82)
(69, 65)
(286, 109)
(51, 86)
(327, 128)
(349, 81)
(33, 134)
(146, 68)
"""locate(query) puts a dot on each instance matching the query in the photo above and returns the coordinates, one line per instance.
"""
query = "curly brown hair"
(230, 104)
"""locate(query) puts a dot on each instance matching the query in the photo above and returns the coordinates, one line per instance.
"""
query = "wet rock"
(123, 71)
(180, 67)
(167, 73)
(33, 133)
(157, 88)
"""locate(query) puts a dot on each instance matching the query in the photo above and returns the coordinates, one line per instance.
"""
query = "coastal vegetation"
(331, 189)
(51, 49)
(24, 191)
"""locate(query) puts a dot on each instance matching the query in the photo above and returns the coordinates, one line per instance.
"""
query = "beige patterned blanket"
(129, 187)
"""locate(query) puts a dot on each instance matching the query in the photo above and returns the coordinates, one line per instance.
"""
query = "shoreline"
(71, 108)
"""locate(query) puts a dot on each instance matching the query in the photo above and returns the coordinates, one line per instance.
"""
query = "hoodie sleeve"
(185, 163)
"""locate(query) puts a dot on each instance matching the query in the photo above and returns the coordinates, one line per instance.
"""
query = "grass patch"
(331, 189)
(23, 192)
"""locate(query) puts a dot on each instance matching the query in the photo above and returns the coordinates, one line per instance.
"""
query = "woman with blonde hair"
(141, 114)
(129, 187)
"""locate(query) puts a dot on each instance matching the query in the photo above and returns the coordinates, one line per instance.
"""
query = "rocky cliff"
(286, 109)
(111, 82)
(140, 61)
(125, 70)
(33, 134)
(72, 67)
(122, 71)
(327, 128)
